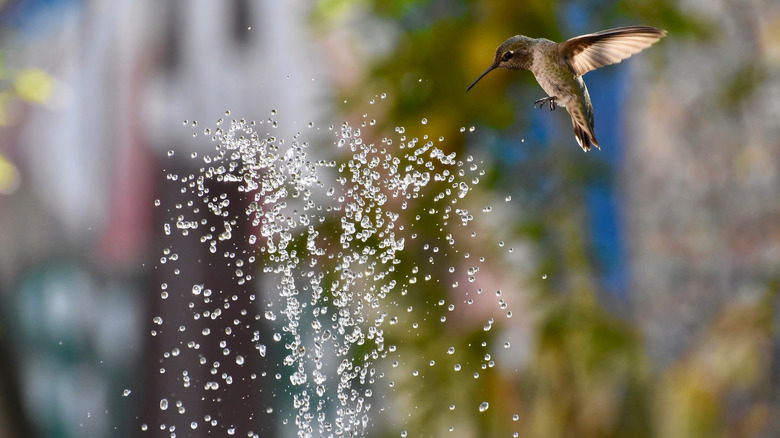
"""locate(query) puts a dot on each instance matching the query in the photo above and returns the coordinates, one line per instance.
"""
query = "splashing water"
(334, 297)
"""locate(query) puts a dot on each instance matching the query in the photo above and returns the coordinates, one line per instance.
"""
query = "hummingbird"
(558, 68)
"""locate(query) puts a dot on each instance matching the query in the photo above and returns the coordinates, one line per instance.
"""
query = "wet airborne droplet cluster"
(330, 249)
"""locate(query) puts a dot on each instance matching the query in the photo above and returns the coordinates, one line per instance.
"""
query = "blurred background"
(642, 277)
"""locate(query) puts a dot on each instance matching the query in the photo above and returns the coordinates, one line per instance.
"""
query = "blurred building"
(81, 238)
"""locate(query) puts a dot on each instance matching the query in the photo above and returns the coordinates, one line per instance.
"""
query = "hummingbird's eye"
(507, 56)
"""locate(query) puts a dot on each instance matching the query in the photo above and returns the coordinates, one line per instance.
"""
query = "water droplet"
(271, 172)
(483, 406)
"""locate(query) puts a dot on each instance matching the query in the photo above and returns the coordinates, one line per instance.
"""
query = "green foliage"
(743, 84)
(588, 373)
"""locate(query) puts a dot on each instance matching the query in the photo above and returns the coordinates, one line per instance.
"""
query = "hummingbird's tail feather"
(584, 136)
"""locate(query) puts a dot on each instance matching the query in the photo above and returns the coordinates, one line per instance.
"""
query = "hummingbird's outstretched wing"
(589, 52)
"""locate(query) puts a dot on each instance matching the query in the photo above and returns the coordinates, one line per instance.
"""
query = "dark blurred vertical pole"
(241, 404)
(14, 421)
(239, 407)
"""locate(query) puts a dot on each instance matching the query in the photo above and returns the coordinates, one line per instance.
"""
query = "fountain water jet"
(331, 251)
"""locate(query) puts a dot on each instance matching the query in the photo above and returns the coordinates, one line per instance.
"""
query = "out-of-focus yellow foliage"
(9, 176)
(30, 85)
(33, 85)
(697, 397)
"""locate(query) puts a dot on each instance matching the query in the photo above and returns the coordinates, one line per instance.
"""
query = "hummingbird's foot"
(548, 100)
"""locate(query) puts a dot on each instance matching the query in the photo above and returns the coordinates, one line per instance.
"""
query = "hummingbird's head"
(512, 54)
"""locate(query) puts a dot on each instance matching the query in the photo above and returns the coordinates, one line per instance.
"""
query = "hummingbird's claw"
(548, 100)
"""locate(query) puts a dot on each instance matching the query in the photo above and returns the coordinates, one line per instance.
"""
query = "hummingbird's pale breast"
(552, 73)
(557, 79)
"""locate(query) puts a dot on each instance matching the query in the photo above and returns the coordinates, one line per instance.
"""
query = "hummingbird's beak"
(481, 76)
